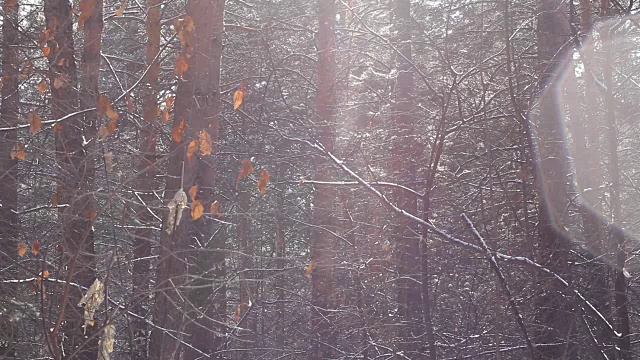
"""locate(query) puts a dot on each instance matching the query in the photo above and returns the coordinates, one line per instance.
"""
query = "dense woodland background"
(319, 179)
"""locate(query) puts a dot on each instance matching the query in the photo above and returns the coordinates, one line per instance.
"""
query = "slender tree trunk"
(74, 174)
(617, 235)
(323, 243)
(281, 278)
(554, 311)
(146, 185)
(247, 285)
(9, 116)
(407, 243)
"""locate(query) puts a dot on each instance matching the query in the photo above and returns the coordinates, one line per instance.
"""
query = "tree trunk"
(407, 243)
(247, 284)
(616, 234)
(9, 117)
(198, 104)
(323, 336)
(146, 185)
(554, 311)
(74, 174)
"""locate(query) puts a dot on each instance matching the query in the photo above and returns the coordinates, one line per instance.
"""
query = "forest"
(319, 179)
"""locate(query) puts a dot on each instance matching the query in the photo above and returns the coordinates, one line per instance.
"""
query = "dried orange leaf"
(45, 273)
(58, 82)
(169, 102)
(165, 115)
(111, 114)
(178, 131)
(22, 248)
(111, 126)
(192, 147)
(308, 272)
(262, 182)
(247, 168)
(103, 132)
(237, 98)
(35, 121)
(205, 142)
(46, 50)
(42, 86)
(181, 65)
(18, 152)
(35, 247)
(192, 192)
(197, 209)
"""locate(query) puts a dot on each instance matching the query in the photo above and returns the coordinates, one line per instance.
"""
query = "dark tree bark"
(75, 171)
(323, 337)
(198, 104)
(405, 238)
(555, 312)
(146, 184)
(9, 117)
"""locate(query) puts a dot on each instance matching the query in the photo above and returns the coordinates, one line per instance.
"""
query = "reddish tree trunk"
(324, 199)
(146, 185)
(75, 162)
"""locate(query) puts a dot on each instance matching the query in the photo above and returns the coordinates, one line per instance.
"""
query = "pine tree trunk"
(198, 104)
(9, 117)
(146, 185)
(323, 243)
(554, 311)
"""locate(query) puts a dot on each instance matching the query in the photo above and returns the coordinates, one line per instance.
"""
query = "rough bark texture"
(555, 312)
(323, 336)
(9, 116)
(406, 238)
(146, 167)
(198, 103)
(75, 171)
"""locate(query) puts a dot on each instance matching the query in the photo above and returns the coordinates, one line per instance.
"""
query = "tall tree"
(404, 167)
(324, 198)
(9, 117)
(146, 184)
(617, 235)
(75, 168)
(196, 119)
(554, 312)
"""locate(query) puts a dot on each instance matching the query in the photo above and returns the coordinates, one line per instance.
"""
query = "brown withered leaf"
(181, 66)
(178, 132)
(204, 139)
(192, 147)
(192, 192)
(246, 169)
(197, 209)
(35, 122)
(35, 247)
(262, 182)
(22, 248)
(43, 86)
(18, 152)
(238, 96)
